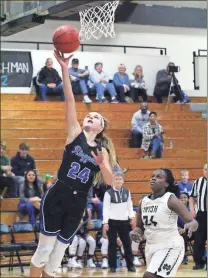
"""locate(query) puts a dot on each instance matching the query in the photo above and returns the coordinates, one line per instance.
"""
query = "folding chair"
(9, 248)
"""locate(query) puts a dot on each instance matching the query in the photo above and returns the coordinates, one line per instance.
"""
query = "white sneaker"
(72, 263)
(104, 263)
(90, 263)
(80, 263)
(123, 263)
(136, 261)
(86, 99)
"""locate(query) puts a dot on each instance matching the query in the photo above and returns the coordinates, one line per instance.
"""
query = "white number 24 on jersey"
(75, 173)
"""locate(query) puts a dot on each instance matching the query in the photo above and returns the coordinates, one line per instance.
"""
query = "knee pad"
(104, 246)
(41, 256)
(73, 246)
(92, 244)
(134, 246)
(82, 246)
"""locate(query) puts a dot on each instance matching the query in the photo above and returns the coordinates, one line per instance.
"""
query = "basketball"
(66, 39)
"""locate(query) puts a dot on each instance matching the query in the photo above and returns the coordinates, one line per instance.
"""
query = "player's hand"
(64, 62)
(99, 158)
(193, 213)
(188, 227)
(136, 237)
(105, 227)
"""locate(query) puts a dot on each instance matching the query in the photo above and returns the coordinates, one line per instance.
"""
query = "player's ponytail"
(108, 145)
(173, 186)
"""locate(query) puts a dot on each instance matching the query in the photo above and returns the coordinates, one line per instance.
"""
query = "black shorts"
(61, 211)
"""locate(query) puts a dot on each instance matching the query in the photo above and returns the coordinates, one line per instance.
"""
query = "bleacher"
(43, 126)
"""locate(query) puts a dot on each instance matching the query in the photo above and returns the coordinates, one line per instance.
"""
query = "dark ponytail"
(172, 184)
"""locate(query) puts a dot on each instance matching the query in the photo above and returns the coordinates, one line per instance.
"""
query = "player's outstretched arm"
(175, 205)
(73, 126)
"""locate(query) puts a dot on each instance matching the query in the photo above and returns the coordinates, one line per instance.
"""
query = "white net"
(98, 21)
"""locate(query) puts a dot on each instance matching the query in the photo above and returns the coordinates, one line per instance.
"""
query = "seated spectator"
(152, 141)
(23, 162)
(30, 196)
(7, 179)
(121, 82)
(184, 185)
(138, 85)
(184, 198)
(163, 83)
(94, 204)
(81, 239)
(79, 79)
(139, 119)
(101, 83)
(49, 81)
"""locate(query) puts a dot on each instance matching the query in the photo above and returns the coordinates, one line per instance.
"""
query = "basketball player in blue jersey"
(157, 222)
(88, 155)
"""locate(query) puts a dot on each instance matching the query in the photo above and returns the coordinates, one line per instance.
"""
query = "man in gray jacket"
(139, 119)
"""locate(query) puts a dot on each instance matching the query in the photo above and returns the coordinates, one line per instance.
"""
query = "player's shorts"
(164, 259)
(61, 211)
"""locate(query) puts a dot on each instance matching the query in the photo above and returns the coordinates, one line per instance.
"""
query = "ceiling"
(190, 4)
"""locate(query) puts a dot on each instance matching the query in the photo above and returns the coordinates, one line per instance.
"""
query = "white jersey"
(159, 221)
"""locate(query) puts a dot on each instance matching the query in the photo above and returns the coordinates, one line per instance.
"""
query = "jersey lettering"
(74, 172)
(148, 221)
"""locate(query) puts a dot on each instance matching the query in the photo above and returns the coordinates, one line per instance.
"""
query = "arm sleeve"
(15, 169)
(127, 80)
(73, 73)
(160, 78)
(130, 206)
(106, 208)
(145, 134)
(33, 166)
(194, 190)
(41, 77)
(94, 77)
(134, 123)
(21, 193)
(116, 80)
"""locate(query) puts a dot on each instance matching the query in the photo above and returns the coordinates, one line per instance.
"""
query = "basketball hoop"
(98, 21)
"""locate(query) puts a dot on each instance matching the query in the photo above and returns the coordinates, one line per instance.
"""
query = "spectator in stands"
(102, 84)
(79, 79)
(94, 204)
(49, 81)
(81, 239)
(152, 141)
(30, 196)
(121, 82)
(163, 83)
(7, 179)
(184, 198)
(23, 162)
(139, 119)
(184, 185)
(138, 85)
(199, 194)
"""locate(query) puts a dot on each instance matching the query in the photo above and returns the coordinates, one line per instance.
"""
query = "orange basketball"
(66, 39)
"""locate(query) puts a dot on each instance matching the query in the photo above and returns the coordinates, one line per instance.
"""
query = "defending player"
(87, 152)
(157, 219)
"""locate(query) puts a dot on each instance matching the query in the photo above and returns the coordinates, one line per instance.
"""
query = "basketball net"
(98, 21)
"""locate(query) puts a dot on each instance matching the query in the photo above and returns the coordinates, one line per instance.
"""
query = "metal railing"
(162, 50)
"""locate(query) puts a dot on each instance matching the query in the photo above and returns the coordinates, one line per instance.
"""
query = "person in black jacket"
(21, 163)
(49, 80)
(163, 83)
